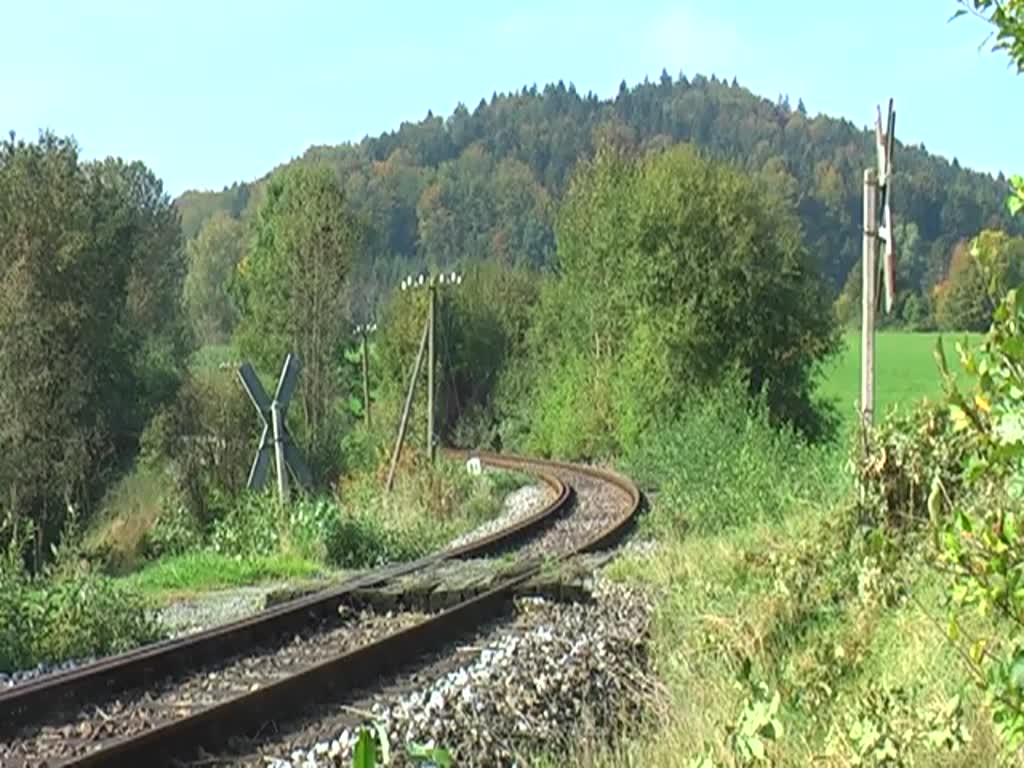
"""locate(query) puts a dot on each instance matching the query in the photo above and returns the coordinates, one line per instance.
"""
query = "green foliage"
(372, 748)
(91, 337)
(66, 612)
(204, 441)
(722, 464)
(886, 727)
(758, 724)
(362, 540)
(479, 209)
(211, 356)
(1015, 203)
(257, 524)
(366, 527)
(481, 329)
(808, 637)
(962, 299)
(912, 472)
(213, 256)
(427, 508)
(979, 274)
(429, 757)
(676, 272)
(1007, 16)
(197, 207)
(484, 182)
(293, 290)
(177, 530)
(117, 538)
(200, 570)
(982, 539)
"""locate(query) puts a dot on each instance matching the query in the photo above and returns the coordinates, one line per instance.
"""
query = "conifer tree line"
(486, 182)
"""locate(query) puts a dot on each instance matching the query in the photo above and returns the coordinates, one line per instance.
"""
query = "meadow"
(905, 370)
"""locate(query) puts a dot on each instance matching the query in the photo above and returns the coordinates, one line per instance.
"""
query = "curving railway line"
(163, 703)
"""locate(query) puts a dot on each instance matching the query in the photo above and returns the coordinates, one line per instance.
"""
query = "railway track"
(159, 703)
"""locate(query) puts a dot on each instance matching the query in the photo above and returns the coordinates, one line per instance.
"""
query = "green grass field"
(905, 370)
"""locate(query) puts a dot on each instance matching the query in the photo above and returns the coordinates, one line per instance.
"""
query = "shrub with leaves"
(758, 725)
(723, 464)
(65, 613)
(258, 524)
(913, 463)
(884, 729)
(372, 748)
(205, 439)
(176, 531)
(982, 541)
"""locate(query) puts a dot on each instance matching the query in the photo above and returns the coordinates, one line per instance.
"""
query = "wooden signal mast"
(878, 228)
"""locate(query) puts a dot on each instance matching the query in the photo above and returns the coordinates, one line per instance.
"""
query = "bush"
(363, 540)
(258, 524)
(911, 456)
(175, 532)
(726, 464)
(205, 439)
(480, 328)
(676, 272)
(118, 538)
(65, 614)
(70, 618)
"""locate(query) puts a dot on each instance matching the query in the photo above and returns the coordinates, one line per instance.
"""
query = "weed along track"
(167, 701)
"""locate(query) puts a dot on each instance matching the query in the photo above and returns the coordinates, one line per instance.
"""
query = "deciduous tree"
(294, 293)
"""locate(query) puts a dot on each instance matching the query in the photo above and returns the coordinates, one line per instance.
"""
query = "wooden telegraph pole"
(426, 344)
(867, 325)
(404, 422)
(366, 384)
(432, 361)
(877, 228)
(431, 285)
(364, 331)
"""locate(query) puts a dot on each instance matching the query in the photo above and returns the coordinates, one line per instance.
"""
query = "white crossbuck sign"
(273, 414)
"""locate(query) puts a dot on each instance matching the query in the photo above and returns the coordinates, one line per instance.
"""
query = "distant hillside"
(486, 182)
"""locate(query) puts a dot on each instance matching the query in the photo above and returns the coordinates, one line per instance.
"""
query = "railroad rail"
(591, 508)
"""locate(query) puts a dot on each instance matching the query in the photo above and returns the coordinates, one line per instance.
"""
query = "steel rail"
(40, 699)
(246, 713)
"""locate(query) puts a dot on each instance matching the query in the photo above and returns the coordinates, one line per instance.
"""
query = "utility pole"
(364, 330)
(877, 227)
(867, 325)
(432, 361)
(431, 285)
(403, 423)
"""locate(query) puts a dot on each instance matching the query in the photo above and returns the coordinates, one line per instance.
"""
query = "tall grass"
(128, 513)
(722, 464)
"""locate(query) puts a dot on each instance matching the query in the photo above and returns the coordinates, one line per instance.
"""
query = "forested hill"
(486, 182)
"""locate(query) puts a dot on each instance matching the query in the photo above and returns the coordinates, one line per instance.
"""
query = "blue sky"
(209, 92)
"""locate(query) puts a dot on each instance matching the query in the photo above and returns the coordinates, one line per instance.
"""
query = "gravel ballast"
(517, 506)
(525, 686)
(133, 712)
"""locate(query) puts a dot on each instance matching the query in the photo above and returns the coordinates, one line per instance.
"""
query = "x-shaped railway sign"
(884, 142)
(273, 414)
